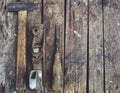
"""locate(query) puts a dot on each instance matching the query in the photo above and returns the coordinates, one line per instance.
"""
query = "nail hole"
(36, 30)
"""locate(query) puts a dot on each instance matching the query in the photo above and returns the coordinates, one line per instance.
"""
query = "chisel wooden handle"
(57, 83)
(21, 51)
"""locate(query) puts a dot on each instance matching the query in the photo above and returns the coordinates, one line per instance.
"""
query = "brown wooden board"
(112, 47)
(34, 20)
(76, 46)
(8, 23)
(95, 47)
(53, 15)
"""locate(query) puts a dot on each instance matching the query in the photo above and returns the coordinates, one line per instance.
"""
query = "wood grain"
(57, 76)
(95, 47)
(21, 51)
(9, 26)
(76, 46)
(112, 47)
(34, 22)
(53, 14)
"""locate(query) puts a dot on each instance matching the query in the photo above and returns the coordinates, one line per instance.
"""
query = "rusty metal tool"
(57, 83)
(35, 78)
(21, 8)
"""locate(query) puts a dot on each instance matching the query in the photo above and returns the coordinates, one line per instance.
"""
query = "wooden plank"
(95, 47)
(21, 51)
(112, 45)
(34, 23)
(53, 15)
(7, 45)
(76, 46)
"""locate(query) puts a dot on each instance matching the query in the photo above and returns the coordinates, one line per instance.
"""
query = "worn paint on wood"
(95, 47)
(76, 46)
(112, 47)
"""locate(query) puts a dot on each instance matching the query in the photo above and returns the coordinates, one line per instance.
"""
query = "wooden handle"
(21, 51)
(57, 83)
(57, 74)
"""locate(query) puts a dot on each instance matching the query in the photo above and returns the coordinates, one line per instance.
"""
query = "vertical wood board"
(95, 47)
(112, 48)
(53, 15)
(76, 46)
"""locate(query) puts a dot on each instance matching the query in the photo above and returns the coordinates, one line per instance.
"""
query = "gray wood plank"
(76, 46)
(112, 45)
(95, 47)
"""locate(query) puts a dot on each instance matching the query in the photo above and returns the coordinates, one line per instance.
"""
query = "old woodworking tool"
(57, 67)
(35, 78)
(21, 8)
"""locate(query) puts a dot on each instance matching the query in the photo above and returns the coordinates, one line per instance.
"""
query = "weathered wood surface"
(95, 47)
(8, 26)
(53, 15)
(76, 46)
(53, 12)
(112, 45)
(34, 20)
